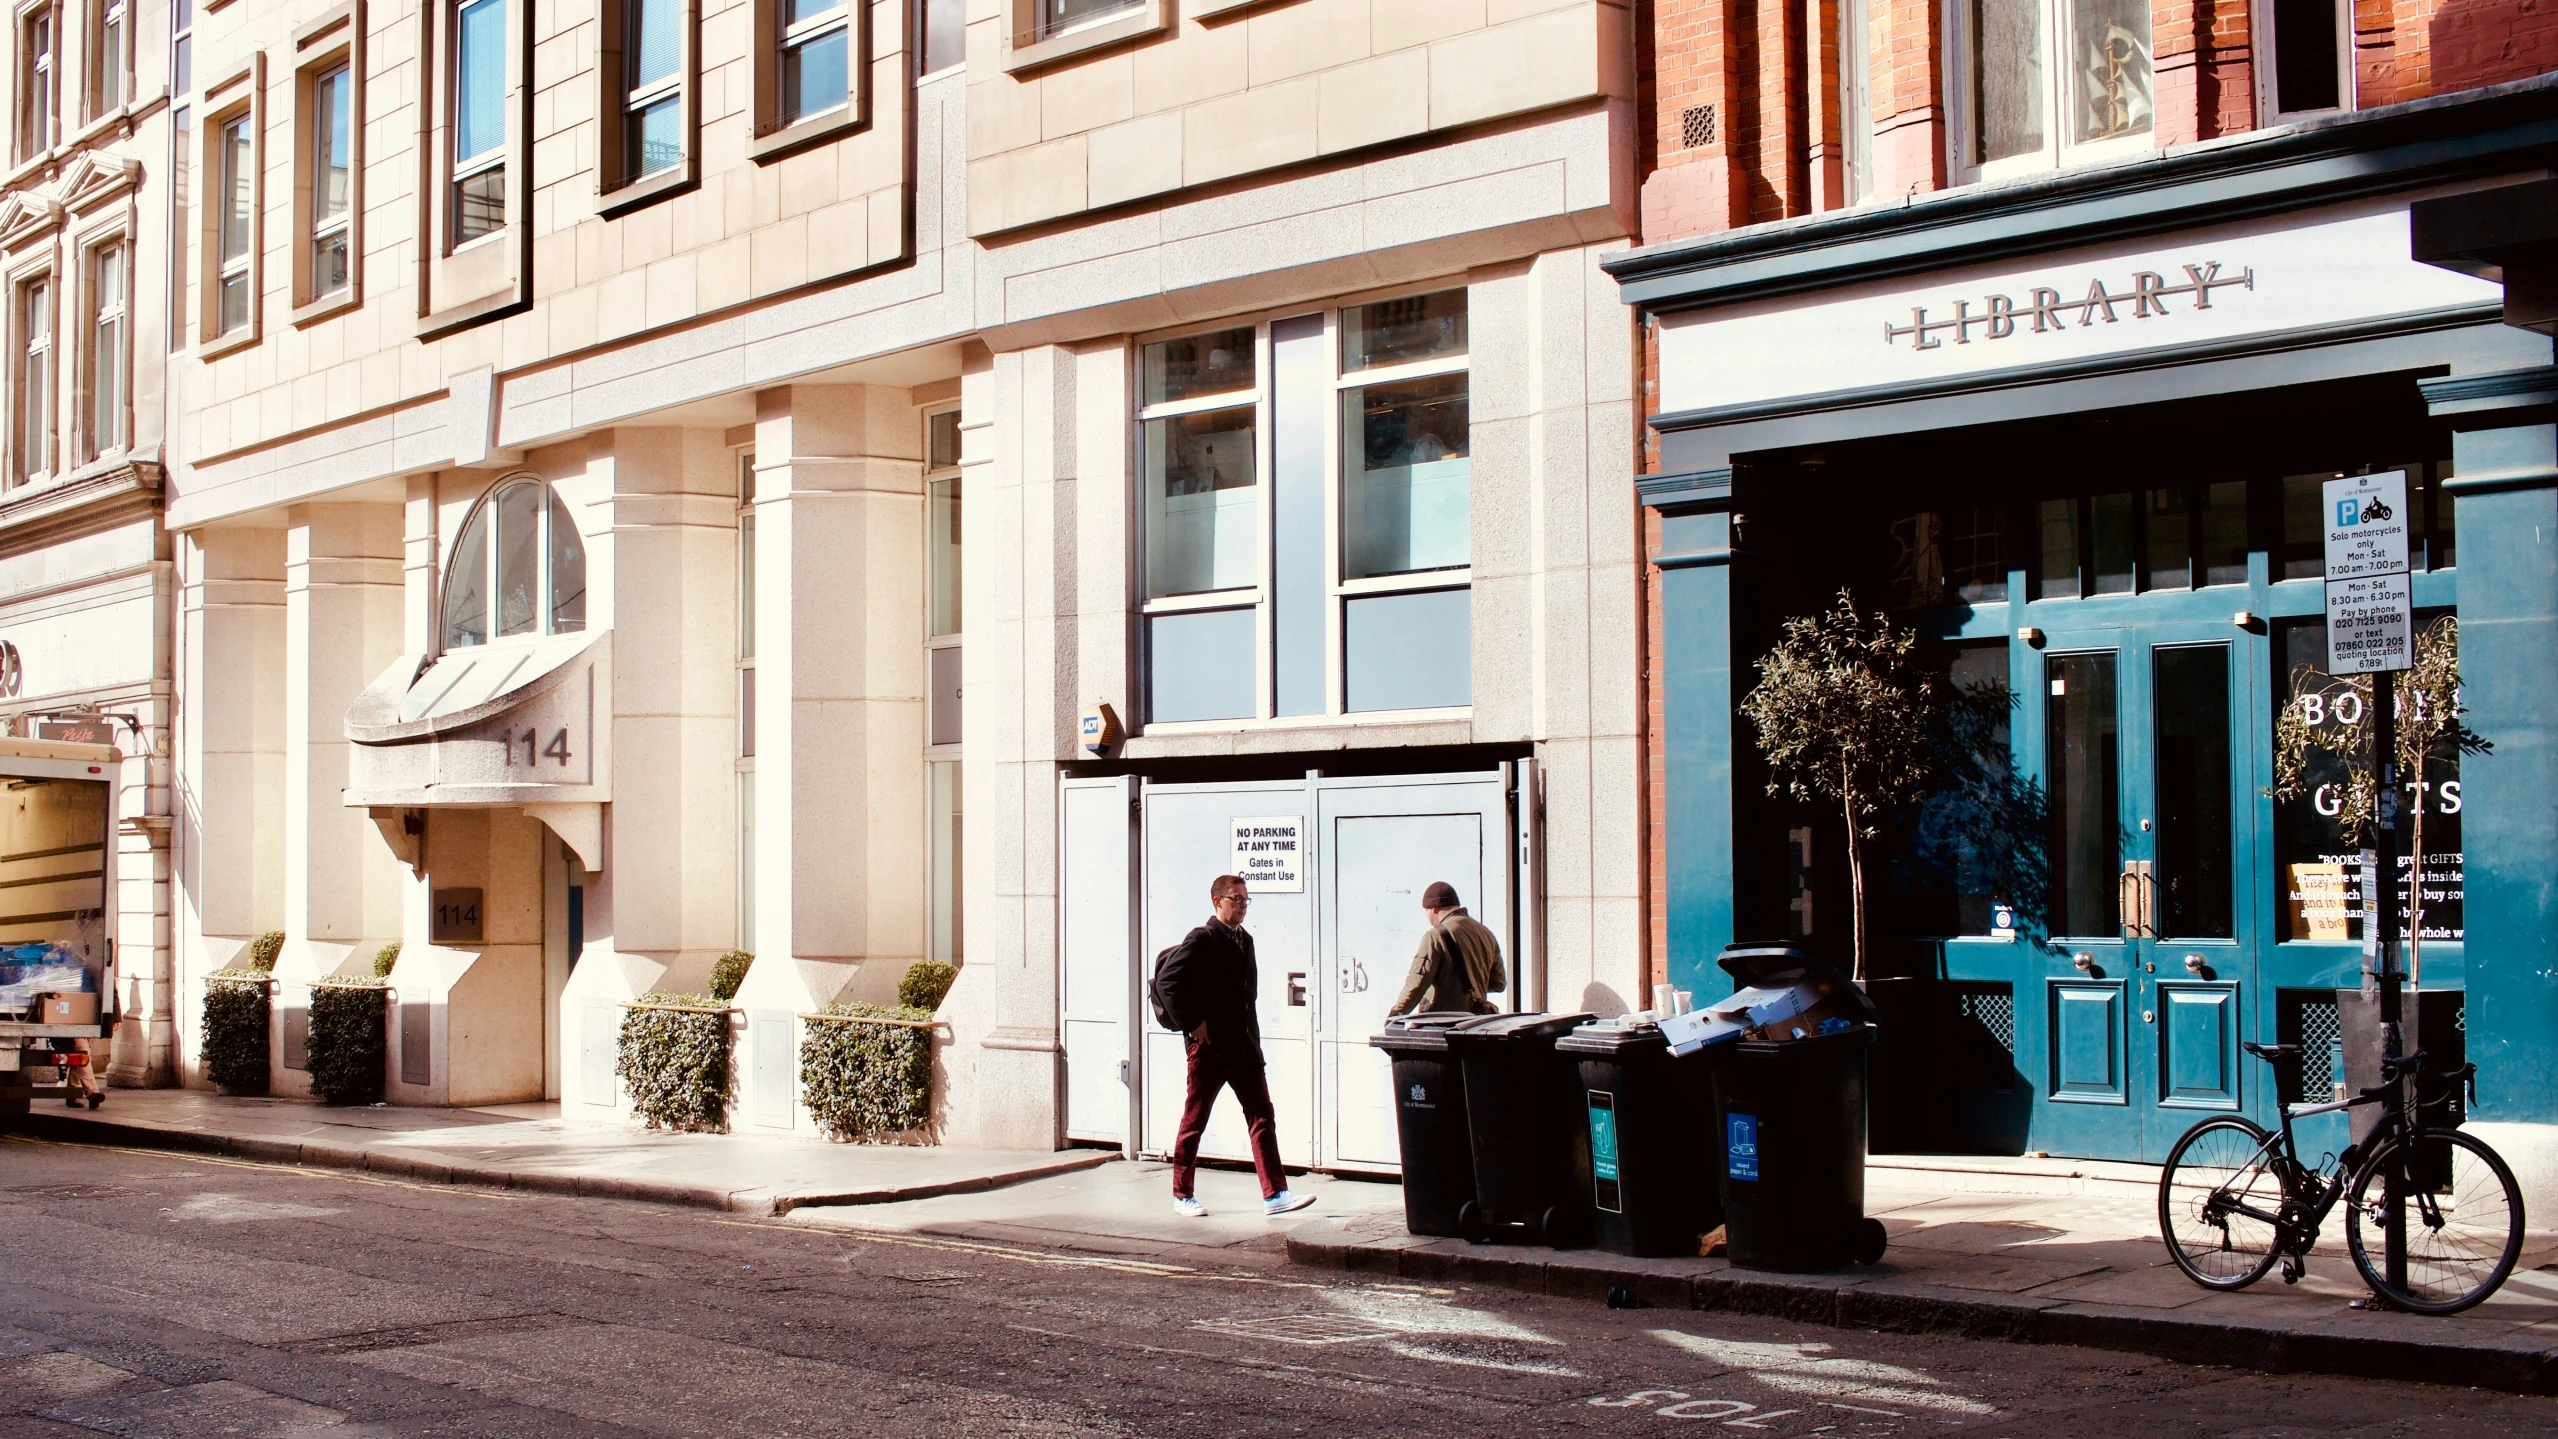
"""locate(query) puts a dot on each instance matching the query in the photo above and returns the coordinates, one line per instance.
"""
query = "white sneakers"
(1284, 1202)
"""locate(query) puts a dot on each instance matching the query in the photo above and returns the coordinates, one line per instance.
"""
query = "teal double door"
(2133, 974)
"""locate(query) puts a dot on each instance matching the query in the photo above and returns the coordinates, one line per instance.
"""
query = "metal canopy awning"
(519, 725)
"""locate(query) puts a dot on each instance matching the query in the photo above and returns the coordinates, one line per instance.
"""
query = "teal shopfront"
(2073, 435)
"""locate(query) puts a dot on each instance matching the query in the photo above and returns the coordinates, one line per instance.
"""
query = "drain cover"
(1301, 1329)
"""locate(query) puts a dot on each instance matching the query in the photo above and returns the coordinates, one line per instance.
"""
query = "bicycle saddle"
(2270, 1051)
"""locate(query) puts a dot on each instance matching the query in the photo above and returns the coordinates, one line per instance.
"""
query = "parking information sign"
(2367, 594)
(1269, 852)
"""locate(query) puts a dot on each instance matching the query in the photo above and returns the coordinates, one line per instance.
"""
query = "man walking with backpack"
(1206, 988)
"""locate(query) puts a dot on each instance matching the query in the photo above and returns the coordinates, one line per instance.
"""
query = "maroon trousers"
(1208, 1074)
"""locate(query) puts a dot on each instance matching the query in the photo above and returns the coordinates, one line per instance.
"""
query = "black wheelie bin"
(1793, 1172)
(1430, 1120)
(1531, 1148)
(1655, 1147)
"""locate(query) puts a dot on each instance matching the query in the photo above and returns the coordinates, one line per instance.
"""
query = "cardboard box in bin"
(1787, 993)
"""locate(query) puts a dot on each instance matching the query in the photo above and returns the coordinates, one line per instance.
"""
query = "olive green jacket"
(1458, 966)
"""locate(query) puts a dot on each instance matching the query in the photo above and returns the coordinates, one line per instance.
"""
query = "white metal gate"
(1135, 863)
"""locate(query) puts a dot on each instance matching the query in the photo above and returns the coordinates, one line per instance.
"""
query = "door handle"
(1297, 989)
(2136, 899)
(1358, 977)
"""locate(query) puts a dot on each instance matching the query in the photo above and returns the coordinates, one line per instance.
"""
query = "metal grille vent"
(1993, 1010)
(1696, 126)
(2309, 1019)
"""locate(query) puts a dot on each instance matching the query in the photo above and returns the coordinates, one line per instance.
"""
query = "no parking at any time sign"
(1270, 854)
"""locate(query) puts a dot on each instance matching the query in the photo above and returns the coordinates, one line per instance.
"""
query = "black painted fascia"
(2499, 130)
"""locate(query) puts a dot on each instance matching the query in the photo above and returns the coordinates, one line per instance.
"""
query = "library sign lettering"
(2048, 309)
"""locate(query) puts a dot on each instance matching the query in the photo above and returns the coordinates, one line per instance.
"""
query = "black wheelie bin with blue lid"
(1655, 1147)
(1430, 1120)
(1793, 1104)
(1531, 1148)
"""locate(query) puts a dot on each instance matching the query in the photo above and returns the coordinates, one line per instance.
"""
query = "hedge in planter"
(235, 1023)
(868, 1080)
(346, 1046)
(674, 1061)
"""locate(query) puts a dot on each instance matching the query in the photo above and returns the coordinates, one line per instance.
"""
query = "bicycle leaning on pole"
(2234, 1199)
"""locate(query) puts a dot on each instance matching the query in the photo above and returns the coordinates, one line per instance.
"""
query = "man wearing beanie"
(1458, 965)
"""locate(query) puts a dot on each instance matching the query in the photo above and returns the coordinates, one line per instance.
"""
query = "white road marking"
(1810, 1370)
(1411, 1350)
(1422, 1314)
(237, 1209)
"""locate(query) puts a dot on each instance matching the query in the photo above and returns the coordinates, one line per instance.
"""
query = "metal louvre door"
(1188, 842)
(1099, 990)
(1384, 841)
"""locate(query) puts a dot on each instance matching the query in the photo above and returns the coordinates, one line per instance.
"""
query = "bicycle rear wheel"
(2464, 1221)
(2216, 1202)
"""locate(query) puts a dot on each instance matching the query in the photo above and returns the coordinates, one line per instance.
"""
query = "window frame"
(108, 61)
(619, 190)
(553, 503)
(743, 787)
(239, 99)
(775, 137)
(97, 355)
(39, 80)
(331, 44)
(2263, 43)
(2058, 152)
(26, 408)
(923, 23)
(1259, 596)
(1029, 44)
(954, 473)
(490, 276)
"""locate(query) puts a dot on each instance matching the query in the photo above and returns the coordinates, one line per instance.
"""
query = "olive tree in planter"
(238, 1006)
(1842, 713)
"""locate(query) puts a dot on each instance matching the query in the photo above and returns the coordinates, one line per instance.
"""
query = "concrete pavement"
(533, 1147)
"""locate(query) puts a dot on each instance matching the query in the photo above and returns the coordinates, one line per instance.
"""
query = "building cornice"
(2499, 131)
(83, 502)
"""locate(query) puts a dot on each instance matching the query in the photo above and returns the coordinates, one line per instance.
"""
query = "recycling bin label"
(1603, 1151)
(1741, 1147)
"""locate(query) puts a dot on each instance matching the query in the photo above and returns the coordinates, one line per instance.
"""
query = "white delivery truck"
(57, 957)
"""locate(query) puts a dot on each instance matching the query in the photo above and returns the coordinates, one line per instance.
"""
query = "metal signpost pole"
(2370, 631)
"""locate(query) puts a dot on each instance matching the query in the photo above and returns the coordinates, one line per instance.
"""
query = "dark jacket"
(1215, 982)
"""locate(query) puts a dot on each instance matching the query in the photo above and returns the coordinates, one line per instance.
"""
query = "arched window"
(521, 555)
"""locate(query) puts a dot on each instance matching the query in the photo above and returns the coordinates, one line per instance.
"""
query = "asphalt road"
(156, 1294)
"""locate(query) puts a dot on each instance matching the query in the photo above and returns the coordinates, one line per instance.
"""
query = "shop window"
(110, 57)
(945, 36)
(39, 105)
(941, 575)
(1307, 514)
(518, 569)
(109, 357)
(1977, 839)
(2051, 82)
(2178, 538)
(1948, 555)
(2318, 874)
(648, 69)
(2084, 749)
(2304, 58)
(480, 62)
(34, 319)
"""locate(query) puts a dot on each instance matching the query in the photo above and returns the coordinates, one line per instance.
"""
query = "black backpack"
(1164, 996)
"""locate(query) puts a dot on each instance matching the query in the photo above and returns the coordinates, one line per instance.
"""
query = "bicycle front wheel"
(2217, 1201)
(2464, 1221)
